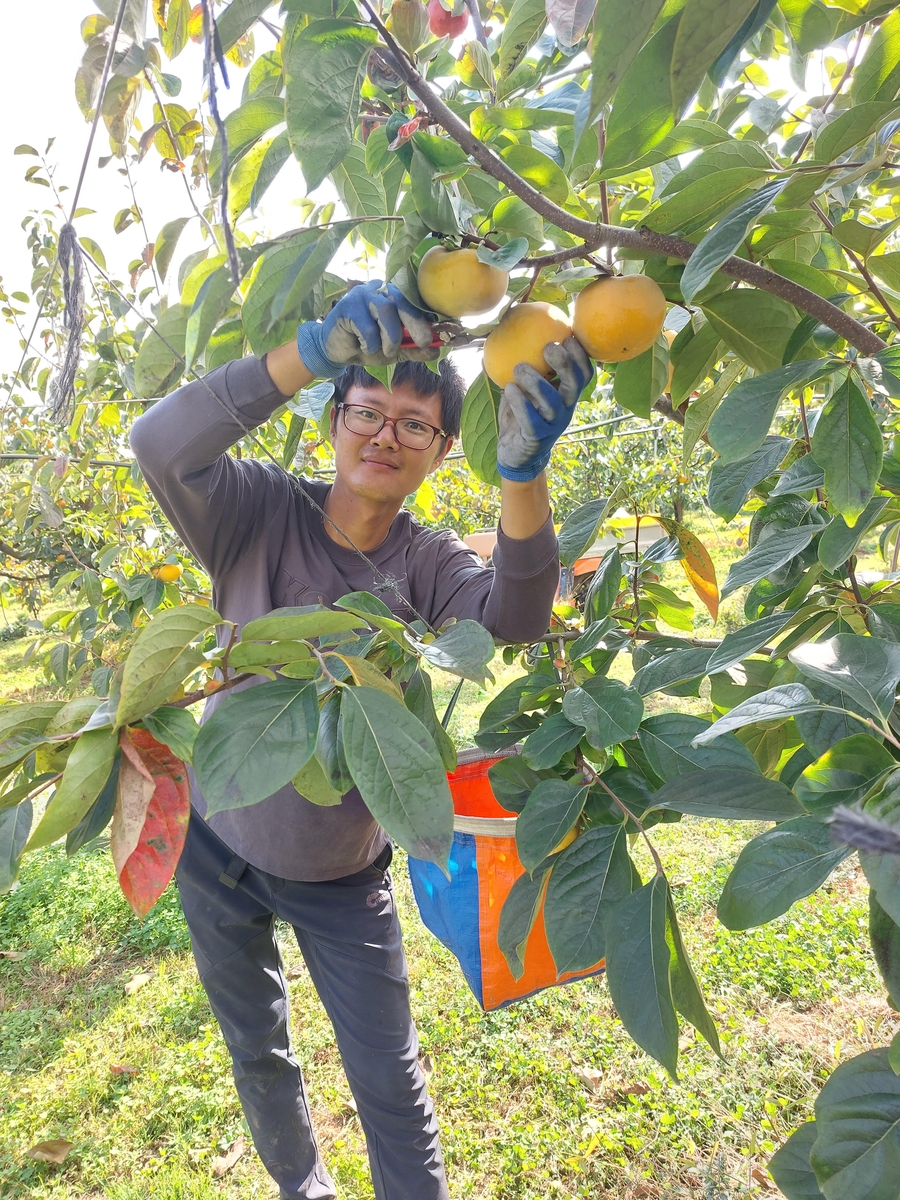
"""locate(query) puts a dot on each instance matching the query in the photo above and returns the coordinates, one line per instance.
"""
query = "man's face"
(377, 467)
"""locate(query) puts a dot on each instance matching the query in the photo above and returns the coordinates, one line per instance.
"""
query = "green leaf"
(324, 65)
(506, 257)
(479, 429)
(175, 728)
(748, 640)
(404, 241)
(777, 868)
(667, 742)
(609, 710)
(311, 783)
(512, 782)
(99, 815)
(518, 915)
(642, 114)
(87, 770)
(728, 795)
(399, 773)
(730, 483)
(637, 970)
(767, 556)
(419, 700)
(587, 876)
(865, 668)
(166, 243)
(553, 738)
(274, 154)
(431, 198)
(686, 994)
(308, 621)
(877, 77)
(776, 704)
(790, 1168)
(255, 743)
(206, 312)
(894, 1054)
(700, 411)
(604, 586)
(884, 935)
(244, 127)
(592, 638)
(800, 477)
(755, 325)
(235, 20)
(848, 445)
(620, 29)
(668, 670)
(160, 659)
(538, 170)
(160, 360)
(579, 530)
(700, 202)
(525, 20)
(857, 1151)
(15, 824)
(639, 382)
(549, 814)
(330, 748)
(523, 694)
(464, 649)
(694, 363)
(851, 127)
(362, 193)
(300, 277)
(843, 774)
(741, 422)
(704, 31)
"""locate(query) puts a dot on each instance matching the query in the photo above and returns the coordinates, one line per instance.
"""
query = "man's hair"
(448, 386)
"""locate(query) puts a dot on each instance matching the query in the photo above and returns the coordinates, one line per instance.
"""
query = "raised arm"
(215, 502)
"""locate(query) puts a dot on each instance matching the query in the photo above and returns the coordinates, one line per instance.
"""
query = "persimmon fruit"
(619, 317)
(521, 337)
(454, 282)
(442, 23)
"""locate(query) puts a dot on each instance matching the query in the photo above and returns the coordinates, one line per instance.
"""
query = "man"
(325, 870)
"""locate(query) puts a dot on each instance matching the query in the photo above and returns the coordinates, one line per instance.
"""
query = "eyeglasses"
(409, 432)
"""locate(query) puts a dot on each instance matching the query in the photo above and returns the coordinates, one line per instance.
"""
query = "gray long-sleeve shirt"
(266, 547)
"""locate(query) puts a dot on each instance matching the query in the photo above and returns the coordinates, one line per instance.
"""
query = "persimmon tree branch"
(596, 234)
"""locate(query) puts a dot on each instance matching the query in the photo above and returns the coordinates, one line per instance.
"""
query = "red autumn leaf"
(151, 818)
(405, 132)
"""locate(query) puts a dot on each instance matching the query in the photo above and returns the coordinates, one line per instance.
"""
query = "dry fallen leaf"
(590, 1077)
(351, 1104)
(13, 955)
(54, 1151)
(636, 1089)
(296, 972)
(762, 1178)
(121, 1069)
(427, 1065)
(224, 1162)
(137, 981)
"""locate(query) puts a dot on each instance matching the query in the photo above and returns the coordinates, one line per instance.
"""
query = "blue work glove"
(365, 327)
(533, 413)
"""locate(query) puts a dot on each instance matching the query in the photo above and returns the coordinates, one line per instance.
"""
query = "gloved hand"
(365, 326)
(533, 413)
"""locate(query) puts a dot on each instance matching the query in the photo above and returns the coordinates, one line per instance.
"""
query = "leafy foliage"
(673, 140)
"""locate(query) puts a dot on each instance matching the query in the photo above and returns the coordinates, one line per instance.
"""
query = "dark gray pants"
(350, 938)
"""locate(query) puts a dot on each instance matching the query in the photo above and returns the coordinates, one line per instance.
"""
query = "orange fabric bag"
(464, 911)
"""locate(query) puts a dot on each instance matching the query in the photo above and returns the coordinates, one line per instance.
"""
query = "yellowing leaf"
(697, 564)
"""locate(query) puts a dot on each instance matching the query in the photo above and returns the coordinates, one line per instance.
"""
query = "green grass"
(519, 1122)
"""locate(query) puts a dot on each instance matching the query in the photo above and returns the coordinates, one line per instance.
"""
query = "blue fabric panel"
(449, 908)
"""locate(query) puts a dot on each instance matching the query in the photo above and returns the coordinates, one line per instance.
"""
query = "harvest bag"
(464, 912)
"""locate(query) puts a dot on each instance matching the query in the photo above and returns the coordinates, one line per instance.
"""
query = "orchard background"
(717, 726)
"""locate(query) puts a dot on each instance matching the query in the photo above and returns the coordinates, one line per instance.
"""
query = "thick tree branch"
(596, 234)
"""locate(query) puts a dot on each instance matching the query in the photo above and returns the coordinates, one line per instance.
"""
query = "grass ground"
(547, 1098)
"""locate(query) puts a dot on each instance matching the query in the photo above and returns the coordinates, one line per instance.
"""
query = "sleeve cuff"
(522, 558)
